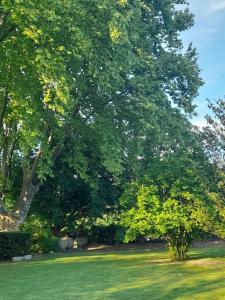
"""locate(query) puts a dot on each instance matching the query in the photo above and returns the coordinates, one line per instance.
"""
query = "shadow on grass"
(121, 275)
(216, 252)
(172, 289)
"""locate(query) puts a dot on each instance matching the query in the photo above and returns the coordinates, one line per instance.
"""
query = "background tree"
(214, 143)
(67, 201)
(213, 134)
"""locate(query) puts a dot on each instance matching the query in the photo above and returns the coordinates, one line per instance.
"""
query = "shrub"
(103, 234)
(41, 236)
(37, 227)
(178, 218)
(178, 245)
(47, 244)
(14, 244)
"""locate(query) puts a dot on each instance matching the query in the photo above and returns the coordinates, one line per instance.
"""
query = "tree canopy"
(93, 81)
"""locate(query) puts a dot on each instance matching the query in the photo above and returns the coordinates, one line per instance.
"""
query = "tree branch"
(3, 108)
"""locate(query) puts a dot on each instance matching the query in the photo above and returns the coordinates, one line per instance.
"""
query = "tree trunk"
(25, 200)
(11, 220)
(8, 222)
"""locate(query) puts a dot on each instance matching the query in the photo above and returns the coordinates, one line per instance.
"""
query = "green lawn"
(120, 275)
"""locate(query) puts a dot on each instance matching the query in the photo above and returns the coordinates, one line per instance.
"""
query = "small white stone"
(80, 242)
(18, 258)
(27, 257)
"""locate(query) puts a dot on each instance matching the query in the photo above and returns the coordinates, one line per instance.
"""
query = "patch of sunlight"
(106, 257)
(206, 262)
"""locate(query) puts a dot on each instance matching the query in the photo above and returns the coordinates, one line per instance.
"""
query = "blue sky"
(208, 36)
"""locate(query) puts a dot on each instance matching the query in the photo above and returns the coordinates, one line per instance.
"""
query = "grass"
(119, 275)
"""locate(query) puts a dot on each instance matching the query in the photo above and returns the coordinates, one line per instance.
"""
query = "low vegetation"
(145, 274)
(14, 244)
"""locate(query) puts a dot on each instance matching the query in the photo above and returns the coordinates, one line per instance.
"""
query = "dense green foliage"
(213, 133)
(14, 244)
(103, 234)
(177, 200)
(95, 100)
(42, 240)
(175, 215)
(92, 80)
(68, 202)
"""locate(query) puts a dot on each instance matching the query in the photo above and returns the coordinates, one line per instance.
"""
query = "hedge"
(106, 234)
(14, 244)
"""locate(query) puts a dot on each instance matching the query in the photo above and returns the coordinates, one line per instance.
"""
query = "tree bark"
(25, 200)
(30, 187)
(8, 222)
(11, 221)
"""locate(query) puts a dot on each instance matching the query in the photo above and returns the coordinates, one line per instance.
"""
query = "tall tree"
(74, 69)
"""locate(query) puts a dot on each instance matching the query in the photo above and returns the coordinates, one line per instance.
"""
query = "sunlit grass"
(120, 275)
